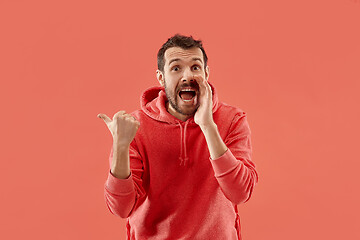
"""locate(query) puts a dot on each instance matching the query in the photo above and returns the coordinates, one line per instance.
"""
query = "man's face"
(182, 91)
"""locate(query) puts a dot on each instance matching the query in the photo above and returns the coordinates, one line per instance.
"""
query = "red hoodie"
(175, 190)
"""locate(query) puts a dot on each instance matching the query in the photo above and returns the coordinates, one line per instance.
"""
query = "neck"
(176, 114)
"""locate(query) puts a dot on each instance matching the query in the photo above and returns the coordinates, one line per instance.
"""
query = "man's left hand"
(204, 116)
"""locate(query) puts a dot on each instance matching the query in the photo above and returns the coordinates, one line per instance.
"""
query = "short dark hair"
(182, 41)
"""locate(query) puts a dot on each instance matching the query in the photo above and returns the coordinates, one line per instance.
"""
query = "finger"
(200, 81)
(119, 113)
(132, 118)
(206, 84)
(135, 121)
(204, 91)
(104, 117)
(128, 117)
(208, 87)
(198, 78)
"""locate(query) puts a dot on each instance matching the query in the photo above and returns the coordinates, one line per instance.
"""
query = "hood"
(153, 103)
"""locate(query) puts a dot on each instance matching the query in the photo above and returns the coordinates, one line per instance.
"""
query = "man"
(182, 163)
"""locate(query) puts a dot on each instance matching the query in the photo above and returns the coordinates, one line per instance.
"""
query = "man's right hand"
(123, 127)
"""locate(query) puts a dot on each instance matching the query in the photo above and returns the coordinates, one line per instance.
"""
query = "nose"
(188, 76)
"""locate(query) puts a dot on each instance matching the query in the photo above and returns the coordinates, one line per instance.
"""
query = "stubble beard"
(172, 98)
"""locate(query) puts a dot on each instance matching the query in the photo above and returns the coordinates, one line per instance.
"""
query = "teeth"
(188, 90)
(188, 100)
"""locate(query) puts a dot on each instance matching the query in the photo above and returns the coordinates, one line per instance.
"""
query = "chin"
(188, 112)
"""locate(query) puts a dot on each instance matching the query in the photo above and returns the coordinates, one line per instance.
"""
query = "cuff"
(120, 186)
(224, 164)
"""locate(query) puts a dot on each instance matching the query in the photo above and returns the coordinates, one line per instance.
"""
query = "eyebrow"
(178, 59)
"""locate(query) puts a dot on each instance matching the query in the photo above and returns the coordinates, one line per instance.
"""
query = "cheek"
(171, 82)
(170, 86)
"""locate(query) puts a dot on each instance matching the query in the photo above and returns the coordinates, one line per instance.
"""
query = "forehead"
(183, 54)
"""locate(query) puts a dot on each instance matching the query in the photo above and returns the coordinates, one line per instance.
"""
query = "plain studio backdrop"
(293, 66)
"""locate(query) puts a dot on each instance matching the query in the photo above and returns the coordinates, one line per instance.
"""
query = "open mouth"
(187, 95)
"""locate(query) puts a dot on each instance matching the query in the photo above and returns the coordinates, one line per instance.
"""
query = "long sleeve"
(122, 195)
(234, 170)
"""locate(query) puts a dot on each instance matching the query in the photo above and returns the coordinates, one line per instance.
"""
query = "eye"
(196, 67)
(175, 68)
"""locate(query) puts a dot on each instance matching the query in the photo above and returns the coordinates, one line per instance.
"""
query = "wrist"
(208, 126)
(120, 145)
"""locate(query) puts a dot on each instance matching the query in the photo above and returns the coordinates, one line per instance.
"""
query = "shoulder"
(227, 116)
(228, 111)
(138, 114)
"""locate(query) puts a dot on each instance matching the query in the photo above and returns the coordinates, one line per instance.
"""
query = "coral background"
(293, 66)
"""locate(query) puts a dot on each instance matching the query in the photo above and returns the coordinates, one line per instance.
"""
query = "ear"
(160, 77)
(207, 72)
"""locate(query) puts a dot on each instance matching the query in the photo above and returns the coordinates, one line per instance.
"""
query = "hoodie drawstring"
(183, 153)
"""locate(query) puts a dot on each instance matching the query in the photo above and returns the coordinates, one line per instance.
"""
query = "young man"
(180, 165)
